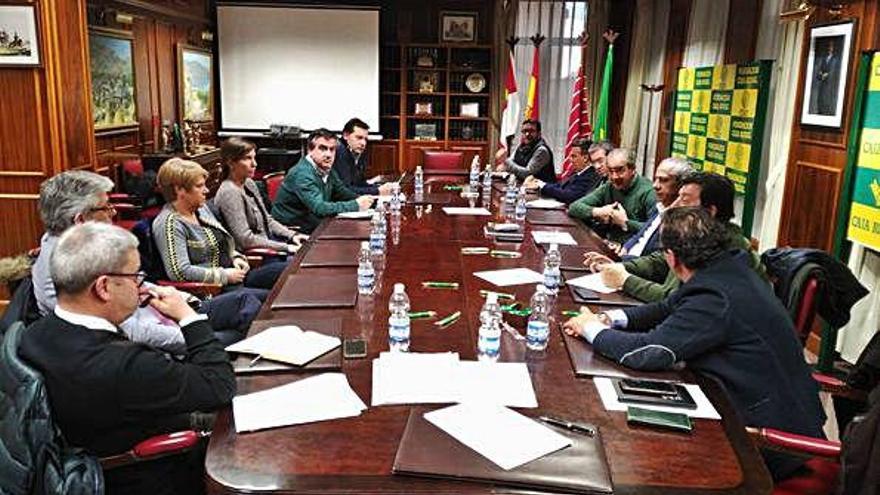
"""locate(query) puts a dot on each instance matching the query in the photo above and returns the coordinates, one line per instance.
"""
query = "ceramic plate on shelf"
(475, 82)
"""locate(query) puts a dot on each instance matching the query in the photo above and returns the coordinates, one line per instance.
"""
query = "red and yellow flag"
(532, 110)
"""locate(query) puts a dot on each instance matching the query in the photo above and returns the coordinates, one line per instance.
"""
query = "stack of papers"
(505, 437)
(510, 276)
(553, 237)
(317, 398)
(545, 204)
(591, 282)
(704, 409)
(424, 378)
(288, 344)
(458, 210)
(356, 215)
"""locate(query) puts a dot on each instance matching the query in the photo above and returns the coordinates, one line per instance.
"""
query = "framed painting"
(111, 64)
(195, 83)
(826, 74)
(19, 36)
(458, 27)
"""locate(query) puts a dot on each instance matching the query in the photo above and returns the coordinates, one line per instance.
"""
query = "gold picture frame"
(195, 84)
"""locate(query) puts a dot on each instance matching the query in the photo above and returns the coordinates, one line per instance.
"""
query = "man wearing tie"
(583, 179)
(351, 159)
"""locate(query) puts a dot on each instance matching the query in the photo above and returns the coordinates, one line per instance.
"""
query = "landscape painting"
(112, 69)
(195, 82)
(18, 36)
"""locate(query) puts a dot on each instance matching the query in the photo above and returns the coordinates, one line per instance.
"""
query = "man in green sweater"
(618, 208)
(312, 190)
(648, 278)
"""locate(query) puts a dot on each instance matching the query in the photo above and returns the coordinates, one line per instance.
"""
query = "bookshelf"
(434, 96)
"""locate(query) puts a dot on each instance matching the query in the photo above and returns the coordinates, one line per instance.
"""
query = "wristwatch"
(604, 319)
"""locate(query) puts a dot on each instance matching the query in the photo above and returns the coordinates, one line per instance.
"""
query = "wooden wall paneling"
(742, 31)
(620, 19)
(382, 158)
(679, 17)
(146, 80)
(468, 152)
(818, 156)
(414, 154)
(166, 68)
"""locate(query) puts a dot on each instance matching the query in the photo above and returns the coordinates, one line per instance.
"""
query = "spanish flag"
(532, 110)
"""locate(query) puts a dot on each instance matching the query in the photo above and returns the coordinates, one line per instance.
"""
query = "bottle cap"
(492, 298)
(399, 288)
(540, 288)
(365, 245)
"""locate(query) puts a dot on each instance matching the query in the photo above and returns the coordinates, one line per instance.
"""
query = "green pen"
(501, 295)
(448, 320)
(440, 285)
(521, 312)
(510, 307)
(452, 188)
(475, 250)
(569, 312)
(496, 253)
(418, 315)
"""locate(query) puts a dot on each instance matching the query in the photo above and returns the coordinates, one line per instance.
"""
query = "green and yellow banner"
(864, 215)
(719, 122)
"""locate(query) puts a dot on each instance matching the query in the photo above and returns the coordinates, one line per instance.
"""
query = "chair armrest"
(838, 387)
(262, 252)
(114, 197)
(198, 288)
(794, 443)
(155, 447)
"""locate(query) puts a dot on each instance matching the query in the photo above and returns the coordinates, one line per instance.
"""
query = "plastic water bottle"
(398, 322)
(552, 260)
(395, 198)
(383, 221)
(377, 234)
(489, 339)
(366, 273)
(487, 179)
(520, 212)
(419, 179)
(538, 329)
(510, 193)
(475, 175)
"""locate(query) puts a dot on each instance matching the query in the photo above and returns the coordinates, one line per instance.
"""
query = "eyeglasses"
(109, 208)
(139, 276)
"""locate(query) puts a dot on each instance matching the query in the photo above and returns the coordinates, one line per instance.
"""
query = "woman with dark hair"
(241, 207)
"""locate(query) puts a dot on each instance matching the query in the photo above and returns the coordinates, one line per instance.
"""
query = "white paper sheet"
(510, 276)
(505, 384)
(459, 210)
(287, 343)
(704, 409)
(356, 215)
(545, 204)
(505, 437)
(318, 398)
(414, 378)
(553, 237)
(591, 282)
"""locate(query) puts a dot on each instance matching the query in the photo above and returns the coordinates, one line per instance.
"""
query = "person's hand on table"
(234, 275)
(602, 214)
(241, 264)
(594, 261)
(614, 275)
(501, 156)
(617, 215)
(575, 325)
(364, 202)
(386, 189)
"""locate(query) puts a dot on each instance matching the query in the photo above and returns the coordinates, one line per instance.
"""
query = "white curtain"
(852, 338)
(561, 23)
(647, 55)
(782, 43)
(706, 33)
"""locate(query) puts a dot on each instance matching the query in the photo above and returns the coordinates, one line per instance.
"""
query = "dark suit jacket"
(353, 172)
(727, 324)
(574, 187)
(304, 198)
(653, 243)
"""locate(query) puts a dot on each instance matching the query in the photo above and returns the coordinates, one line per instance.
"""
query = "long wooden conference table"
(355, 455)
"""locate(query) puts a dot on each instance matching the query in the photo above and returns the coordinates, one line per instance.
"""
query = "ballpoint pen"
(497, 253)
(568, 425)
(449, 320)
(569, 312)
(440, 285)
(417, 315)
(475, 250)
(254, 360)
(512, 331)
(501, 295)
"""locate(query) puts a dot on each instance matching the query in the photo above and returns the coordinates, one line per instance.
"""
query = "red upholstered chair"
(273, 184)
(435, 161)
(154, 448)
(822, 469)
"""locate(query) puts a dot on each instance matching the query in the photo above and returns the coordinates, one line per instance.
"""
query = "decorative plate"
(475, 82)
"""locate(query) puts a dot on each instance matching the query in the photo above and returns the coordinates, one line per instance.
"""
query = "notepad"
(505, 437)
(545, 204)
(505, 384)
(511, 276)
(317, 398)
(414, 378)
(288, 344)
(704, 409)
(459, 210)
(553, 237)
(592, 282)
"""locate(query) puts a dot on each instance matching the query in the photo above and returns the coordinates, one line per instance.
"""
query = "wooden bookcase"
(423, 91)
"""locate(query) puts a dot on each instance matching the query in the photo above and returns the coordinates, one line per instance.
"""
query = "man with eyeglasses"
(108, 393)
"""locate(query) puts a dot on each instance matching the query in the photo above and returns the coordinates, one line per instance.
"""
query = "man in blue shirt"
(584, 178)
(351, 159)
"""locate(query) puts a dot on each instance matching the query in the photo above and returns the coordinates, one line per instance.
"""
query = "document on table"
(504, 384)
(505, 437)
(414, 378)
(545, 204)
(356, 215)
(288, 344)
(510, 276)
(553, 237)
(317, 398)
(387, 198)
(704, 409)
(459, 210)
(591, 282)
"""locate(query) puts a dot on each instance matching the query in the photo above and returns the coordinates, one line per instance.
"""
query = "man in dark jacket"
(312, 190)
(106, 392)
(583, 179)
(724, 323)
(532, 157)
(351, 159)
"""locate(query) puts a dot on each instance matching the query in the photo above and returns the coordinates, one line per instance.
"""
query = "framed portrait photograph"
(111, 59)
(458, 27)
(424, 108)
(19, 35)
(826, 75)
(195, 83)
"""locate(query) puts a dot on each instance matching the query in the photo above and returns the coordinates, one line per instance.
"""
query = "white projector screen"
(312, 67)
